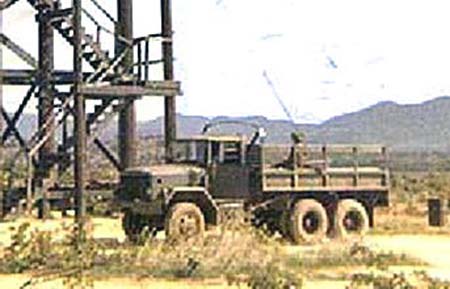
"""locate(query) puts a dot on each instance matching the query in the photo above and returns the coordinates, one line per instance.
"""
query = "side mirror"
(259, 136)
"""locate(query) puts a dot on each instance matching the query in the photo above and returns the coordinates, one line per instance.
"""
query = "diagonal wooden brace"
(18, 113)
(19, 51)
(17, 134)
(108, 153)
(7, 3)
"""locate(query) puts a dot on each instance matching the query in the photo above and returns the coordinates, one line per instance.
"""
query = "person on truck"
(298, 152)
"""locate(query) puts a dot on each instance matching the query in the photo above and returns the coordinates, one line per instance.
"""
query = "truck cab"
(224, 160)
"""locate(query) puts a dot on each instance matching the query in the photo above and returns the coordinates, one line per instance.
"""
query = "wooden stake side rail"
(333, 178)
(364, 149)
(341, 171)
(304, 173)
(336, 189)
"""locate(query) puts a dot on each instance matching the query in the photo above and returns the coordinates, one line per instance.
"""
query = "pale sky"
(325, 57)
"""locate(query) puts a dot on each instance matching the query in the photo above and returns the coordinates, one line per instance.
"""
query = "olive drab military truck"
(305, 192)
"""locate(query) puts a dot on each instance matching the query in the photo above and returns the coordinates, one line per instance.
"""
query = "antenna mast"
(278, 97)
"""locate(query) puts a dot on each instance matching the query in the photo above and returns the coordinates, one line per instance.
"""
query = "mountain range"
(411, 127)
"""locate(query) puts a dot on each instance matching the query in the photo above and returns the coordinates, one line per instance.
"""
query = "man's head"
(298, 137)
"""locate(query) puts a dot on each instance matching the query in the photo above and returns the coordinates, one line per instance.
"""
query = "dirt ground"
(15, 281)
(432, 249)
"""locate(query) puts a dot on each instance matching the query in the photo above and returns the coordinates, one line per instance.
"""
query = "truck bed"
(324, 168)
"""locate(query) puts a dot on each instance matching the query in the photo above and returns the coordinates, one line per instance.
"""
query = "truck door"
(231, 175)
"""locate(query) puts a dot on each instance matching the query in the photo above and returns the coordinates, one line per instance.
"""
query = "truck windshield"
(207, 151)
(191, 151)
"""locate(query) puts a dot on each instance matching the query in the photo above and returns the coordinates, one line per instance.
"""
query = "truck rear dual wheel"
(308, 222)
(184, 221)
(351, 219)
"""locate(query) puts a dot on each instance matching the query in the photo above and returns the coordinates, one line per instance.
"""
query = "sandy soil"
(432, 249)
(16, 281)
(103, 228)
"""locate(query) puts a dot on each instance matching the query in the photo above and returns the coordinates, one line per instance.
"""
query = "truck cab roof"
(163, 169)
(214, 138)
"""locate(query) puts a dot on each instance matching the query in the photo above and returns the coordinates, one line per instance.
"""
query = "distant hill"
(415, 127)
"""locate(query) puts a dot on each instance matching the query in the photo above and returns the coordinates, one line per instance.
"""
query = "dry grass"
(235, 252)
(405, 219)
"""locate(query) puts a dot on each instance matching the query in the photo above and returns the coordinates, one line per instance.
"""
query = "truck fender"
(199, 196)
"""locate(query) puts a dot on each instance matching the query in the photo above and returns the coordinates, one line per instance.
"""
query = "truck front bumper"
(152, 208)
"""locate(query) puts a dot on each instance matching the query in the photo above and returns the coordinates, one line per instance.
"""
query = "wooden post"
(242, 152)
(127, 116)
(46, 109)
(170, 125)
(437, 212)
(325, 177)
(80, 121)
(296, 158)
(384, 155)
(147, 59)
(2, 212)
(221, 152)
(355, 167)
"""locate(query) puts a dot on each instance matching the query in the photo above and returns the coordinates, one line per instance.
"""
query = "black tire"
(135, 225)
(308, 222)
(351, 220)
(184, 221)
(268, 221)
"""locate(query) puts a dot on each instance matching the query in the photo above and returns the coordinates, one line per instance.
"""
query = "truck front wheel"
(134, 225)
(308, 222)
(351, 219)
(184, 221)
